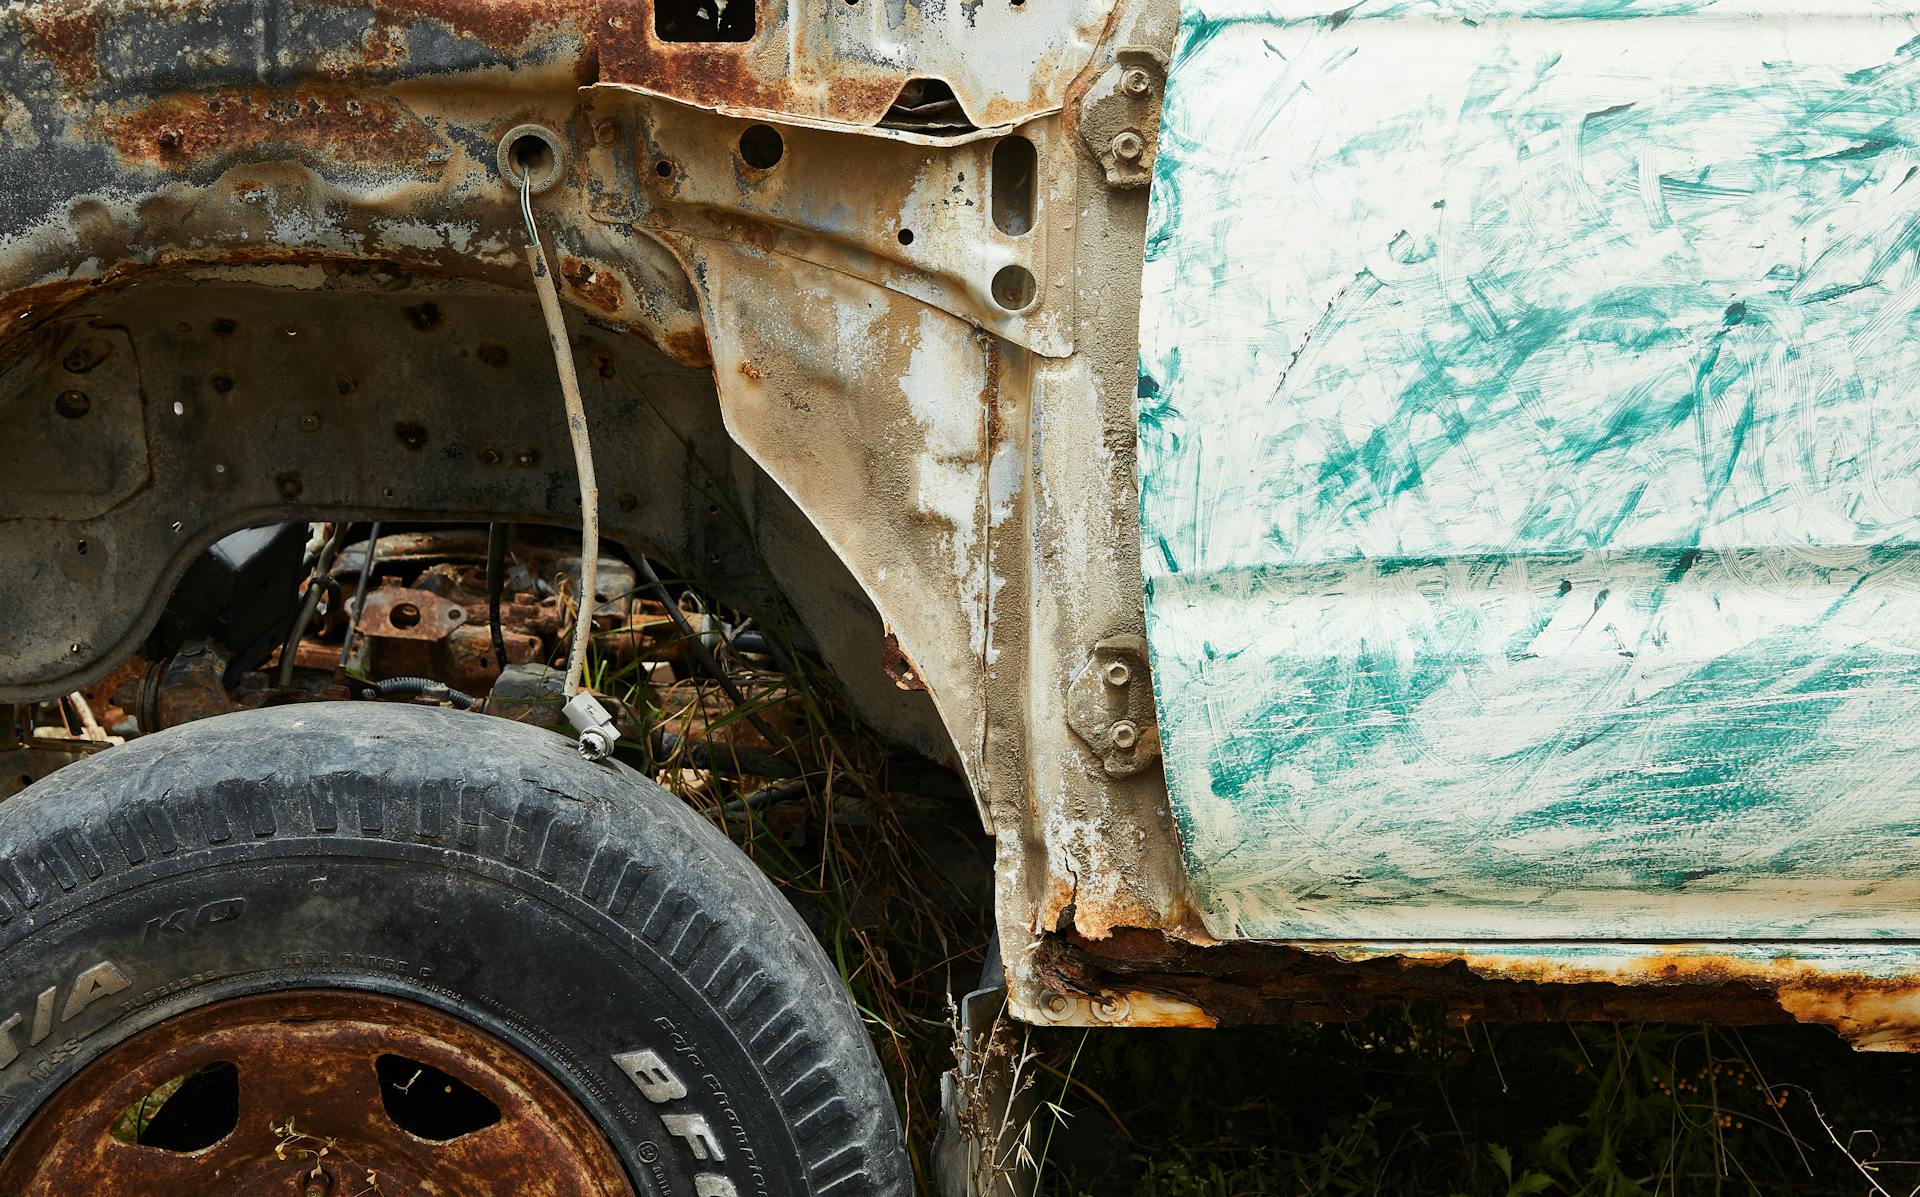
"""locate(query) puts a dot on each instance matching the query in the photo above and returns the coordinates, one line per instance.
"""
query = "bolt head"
(604, 132)
(1124, 733)
(1136, 82)
(1128, 145)
(1118, 674)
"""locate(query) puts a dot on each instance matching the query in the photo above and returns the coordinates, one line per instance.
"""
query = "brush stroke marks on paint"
(1530, 469)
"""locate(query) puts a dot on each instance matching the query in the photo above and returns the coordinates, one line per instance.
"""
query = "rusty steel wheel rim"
(308, 1058)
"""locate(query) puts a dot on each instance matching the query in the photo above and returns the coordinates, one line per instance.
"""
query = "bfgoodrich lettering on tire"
(368, 883)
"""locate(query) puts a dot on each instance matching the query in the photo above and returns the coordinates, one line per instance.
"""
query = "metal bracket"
(1119, 116)
(1110, 706)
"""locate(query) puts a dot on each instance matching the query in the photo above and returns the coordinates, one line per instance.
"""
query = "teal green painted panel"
(1529, 433)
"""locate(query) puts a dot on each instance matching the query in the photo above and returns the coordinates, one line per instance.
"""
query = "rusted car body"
(1512, 448)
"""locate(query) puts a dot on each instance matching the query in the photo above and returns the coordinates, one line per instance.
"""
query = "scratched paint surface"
(1530, 467)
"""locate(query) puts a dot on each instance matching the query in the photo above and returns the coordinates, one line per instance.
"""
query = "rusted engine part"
(427, 616)
(29, 752)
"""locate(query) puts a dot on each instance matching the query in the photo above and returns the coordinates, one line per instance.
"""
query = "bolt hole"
(906, 236)
(1013, 288)
(426, 1102)
(190, 1112)
(761, 147)
(663, 168)
(82, 547)
(404, 615)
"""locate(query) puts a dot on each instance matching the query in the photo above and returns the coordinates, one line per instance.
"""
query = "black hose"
(424, 687)
(722, 758)
(497, 536)
(359, 594)
(702, 655)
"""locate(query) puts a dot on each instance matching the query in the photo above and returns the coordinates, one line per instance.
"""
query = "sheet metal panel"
(1530, 468)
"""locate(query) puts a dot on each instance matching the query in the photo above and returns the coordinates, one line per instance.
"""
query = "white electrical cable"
(576, 431)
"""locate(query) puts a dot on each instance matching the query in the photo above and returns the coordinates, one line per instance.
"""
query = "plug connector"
(597, 731)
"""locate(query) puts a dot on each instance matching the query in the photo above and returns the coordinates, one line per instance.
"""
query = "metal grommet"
(536, 149)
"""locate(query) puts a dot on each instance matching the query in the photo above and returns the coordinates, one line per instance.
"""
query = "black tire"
(577, 911)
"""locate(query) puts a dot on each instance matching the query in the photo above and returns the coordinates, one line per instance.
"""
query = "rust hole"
(762, 147)
(428, 1103)
(493, 355)
(186, 1113)
(703, 20)
(425, 316)
(413, 436)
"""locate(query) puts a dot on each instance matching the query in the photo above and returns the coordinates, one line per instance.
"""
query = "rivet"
(1127, 145)
(1124, 734)
(604, 132)
(290, 485)
(72, 404)
(628, 502)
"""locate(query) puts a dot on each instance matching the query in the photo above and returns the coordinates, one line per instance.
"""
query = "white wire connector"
(586, 714)
(590, 719)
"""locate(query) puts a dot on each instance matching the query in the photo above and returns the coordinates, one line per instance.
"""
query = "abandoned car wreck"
(1344, 542)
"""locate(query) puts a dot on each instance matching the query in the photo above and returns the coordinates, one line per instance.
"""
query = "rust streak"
(596, 285)
(1262, 982)
(327, 124)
